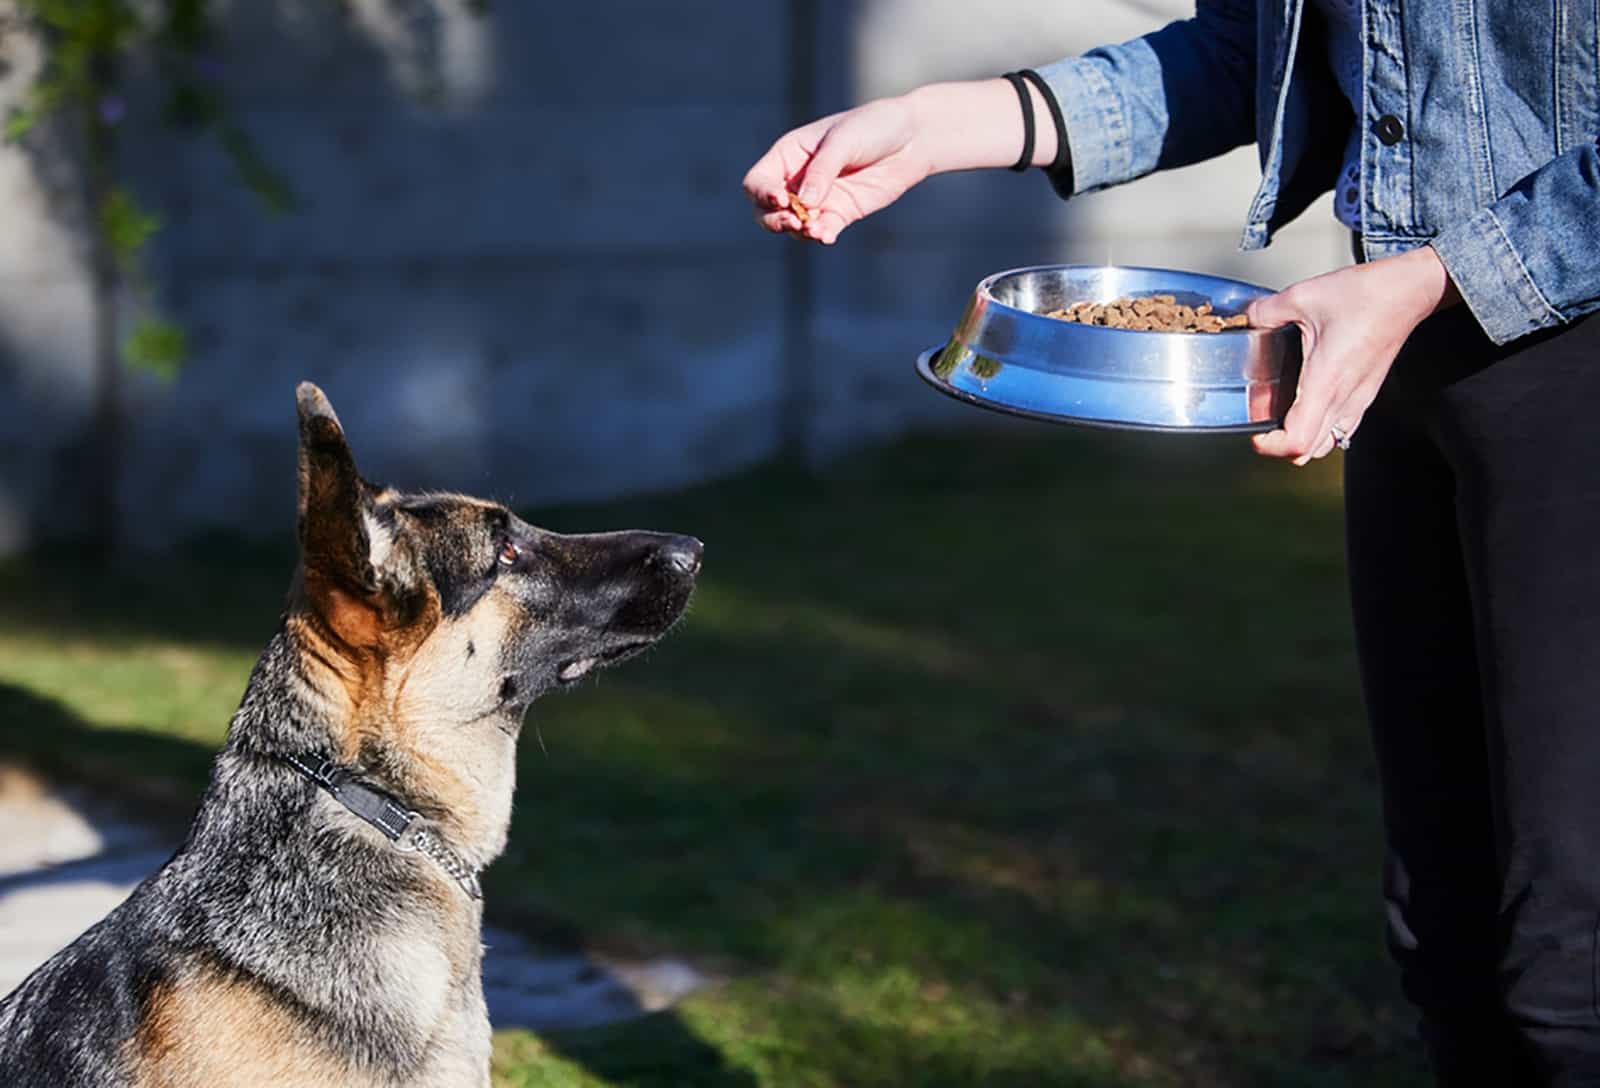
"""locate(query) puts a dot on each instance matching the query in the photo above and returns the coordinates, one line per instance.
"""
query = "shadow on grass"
(978, 761)
(860, 1052)
(163, 775)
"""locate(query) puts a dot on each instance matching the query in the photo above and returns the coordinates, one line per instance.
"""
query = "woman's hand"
(845, 167)
(842, 168)
(1353, 323)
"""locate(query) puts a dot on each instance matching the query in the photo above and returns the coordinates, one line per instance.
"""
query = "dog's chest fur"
(333, 956)
(208, 1030)
(329, 958)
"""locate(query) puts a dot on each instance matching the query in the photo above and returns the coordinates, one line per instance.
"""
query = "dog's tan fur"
(413, 685)
(208, 1032)
(214, 1032)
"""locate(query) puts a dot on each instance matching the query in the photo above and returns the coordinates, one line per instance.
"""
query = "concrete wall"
(524, 266)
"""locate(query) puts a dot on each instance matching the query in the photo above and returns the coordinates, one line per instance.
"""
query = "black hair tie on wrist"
(1025, 160)
(1060, 167)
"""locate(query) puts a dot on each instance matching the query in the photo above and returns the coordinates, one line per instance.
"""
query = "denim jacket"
(1479, 132)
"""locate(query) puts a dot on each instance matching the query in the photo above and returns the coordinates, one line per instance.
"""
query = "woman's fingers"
(1353, 322)
(764, 184)
(833, 154)
(840, 168)
(826, 226)
(1323, 447)
(1302, 433)
(779, 222)
(771, 181)
(767, 183)
(1320, 407)
(1324, 396)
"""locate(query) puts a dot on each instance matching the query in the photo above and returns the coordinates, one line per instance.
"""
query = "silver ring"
(1341, 437)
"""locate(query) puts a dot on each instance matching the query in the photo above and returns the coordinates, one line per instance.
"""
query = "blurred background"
(509, 242)
(991, 753)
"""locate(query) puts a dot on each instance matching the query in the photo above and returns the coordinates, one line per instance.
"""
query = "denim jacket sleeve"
(1531, 259)
(1173, 97)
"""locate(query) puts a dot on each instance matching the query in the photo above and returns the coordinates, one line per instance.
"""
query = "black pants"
(1473, 501)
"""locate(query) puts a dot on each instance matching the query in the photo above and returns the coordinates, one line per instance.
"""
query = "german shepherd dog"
(321, 923)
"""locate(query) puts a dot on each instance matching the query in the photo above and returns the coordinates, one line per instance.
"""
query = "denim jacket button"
(1390, 129)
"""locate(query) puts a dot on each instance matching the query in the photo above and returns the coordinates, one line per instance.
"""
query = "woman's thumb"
(1273, 311)
(831, 157)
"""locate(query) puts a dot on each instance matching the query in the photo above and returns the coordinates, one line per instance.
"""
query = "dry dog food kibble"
(1153, 313)
(801, 212)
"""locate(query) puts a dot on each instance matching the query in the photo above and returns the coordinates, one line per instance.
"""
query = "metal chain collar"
(400, 825)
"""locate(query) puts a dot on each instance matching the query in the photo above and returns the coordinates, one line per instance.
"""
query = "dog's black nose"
(682, 554)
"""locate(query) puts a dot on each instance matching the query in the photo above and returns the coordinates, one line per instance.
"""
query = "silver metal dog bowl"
(1006, 355)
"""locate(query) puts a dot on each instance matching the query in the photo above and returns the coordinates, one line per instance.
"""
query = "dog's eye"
(509, 553)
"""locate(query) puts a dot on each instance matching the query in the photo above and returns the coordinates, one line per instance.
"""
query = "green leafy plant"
(86, 43)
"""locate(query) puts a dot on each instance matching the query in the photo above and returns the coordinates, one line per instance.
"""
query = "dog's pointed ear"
(334, 501)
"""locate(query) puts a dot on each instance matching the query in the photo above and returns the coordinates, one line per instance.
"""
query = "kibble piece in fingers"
(801, 212)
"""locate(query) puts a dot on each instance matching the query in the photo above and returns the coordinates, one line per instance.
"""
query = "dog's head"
(446, 615)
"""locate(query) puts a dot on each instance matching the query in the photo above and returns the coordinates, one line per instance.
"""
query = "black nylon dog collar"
(400, 825)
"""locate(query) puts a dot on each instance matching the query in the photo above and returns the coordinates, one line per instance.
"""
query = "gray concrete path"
(66, 860)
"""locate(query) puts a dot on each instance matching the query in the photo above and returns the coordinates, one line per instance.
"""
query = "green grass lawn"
(1032, 759)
